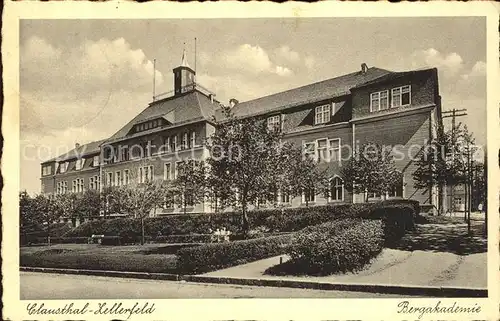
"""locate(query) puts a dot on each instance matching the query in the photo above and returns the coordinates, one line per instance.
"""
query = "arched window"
(336, 189)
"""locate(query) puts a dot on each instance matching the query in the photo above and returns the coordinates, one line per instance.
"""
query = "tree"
(138, 199)
(88, 205)
(300, 173)
(27, 220)
(26, 213)
(443, 161)
(189, 185)
(372, 170)
(46, 211)
(245, 157)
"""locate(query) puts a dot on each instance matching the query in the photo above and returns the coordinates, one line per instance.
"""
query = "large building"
(330, 117)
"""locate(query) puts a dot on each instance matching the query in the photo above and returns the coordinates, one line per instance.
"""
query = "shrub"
(397, 220)
(338, 246)
(69, 240)
(272, 220)
(189, 238)
(112, 240)
(210, 257)
(155, 263)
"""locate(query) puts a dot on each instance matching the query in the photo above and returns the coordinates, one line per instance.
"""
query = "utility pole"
(485, 193)
(468, 189)
(453, 114)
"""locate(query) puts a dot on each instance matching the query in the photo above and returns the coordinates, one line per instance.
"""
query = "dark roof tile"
(318, 91)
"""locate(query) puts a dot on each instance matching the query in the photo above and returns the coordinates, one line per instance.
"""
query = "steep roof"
(394, 75)
(177, 110)
(318, 91)
(81, 151)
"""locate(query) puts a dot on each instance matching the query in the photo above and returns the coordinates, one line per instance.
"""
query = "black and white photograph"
(259, 157)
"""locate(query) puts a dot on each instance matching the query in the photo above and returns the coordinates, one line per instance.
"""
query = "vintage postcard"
(314, 161)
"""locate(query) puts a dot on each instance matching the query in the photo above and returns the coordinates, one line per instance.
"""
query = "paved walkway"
(46, 286)
(391, 267)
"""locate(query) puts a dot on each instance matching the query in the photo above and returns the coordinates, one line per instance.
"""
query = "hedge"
(155, 263)
(338, 246)
(271, 220)
(215, 256)
(397, 220)
(55, 240)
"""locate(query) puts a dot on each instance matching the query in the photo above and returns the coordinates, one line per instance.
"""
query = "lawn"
(153, 258)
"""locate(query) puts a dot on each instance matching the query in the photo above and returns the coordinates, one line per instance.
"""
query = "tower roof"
(184, 62)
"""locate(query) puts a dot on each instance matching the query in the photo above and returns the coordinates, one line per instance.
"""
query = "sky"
(82, 80)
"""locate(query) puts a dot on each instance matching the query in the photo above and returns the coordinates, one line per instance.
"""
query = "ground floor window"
(397, 189)
(309, 195)
(337, 189)
(285, 198)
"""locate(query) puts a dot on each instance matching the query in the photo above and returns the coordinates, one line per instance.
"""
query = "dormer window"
(148, 125)
(63, 167)
(46, 170)
(95, 161)
(274, 122)
(323, 114)
(379, 100)
(401, 96)
(79, 164)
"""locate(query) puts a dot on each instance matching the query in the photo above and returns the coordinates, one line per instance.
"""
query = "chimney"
(233, 102)
(211, 98)
(77, 145)
(364, 68)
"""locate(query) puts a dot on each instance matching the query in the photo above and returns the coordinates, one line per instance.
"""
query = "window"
(79, 164)
(98, 181)
(62, 187)
(285, 198)
(184, 143)
(109, 180)
(274, 122)
(118, 178)
(309, 195)
(124, 153)
(77, 185)
(95, 161)
(334, 149)
(166, 144)
(174, 143)
(46, 170)
(193, 139)
(379, 100)
(310, 149)
(126, 177)
(397, 189)
(400, 96)
(337, 189)
(376, 195)
(167, 172)
(322, 114)
(92, 183)
(146, 174)
(322, 150)
(63, 167)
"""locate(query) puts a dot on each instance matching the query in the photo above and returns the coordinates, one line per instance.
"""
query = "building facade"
(330, 119)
